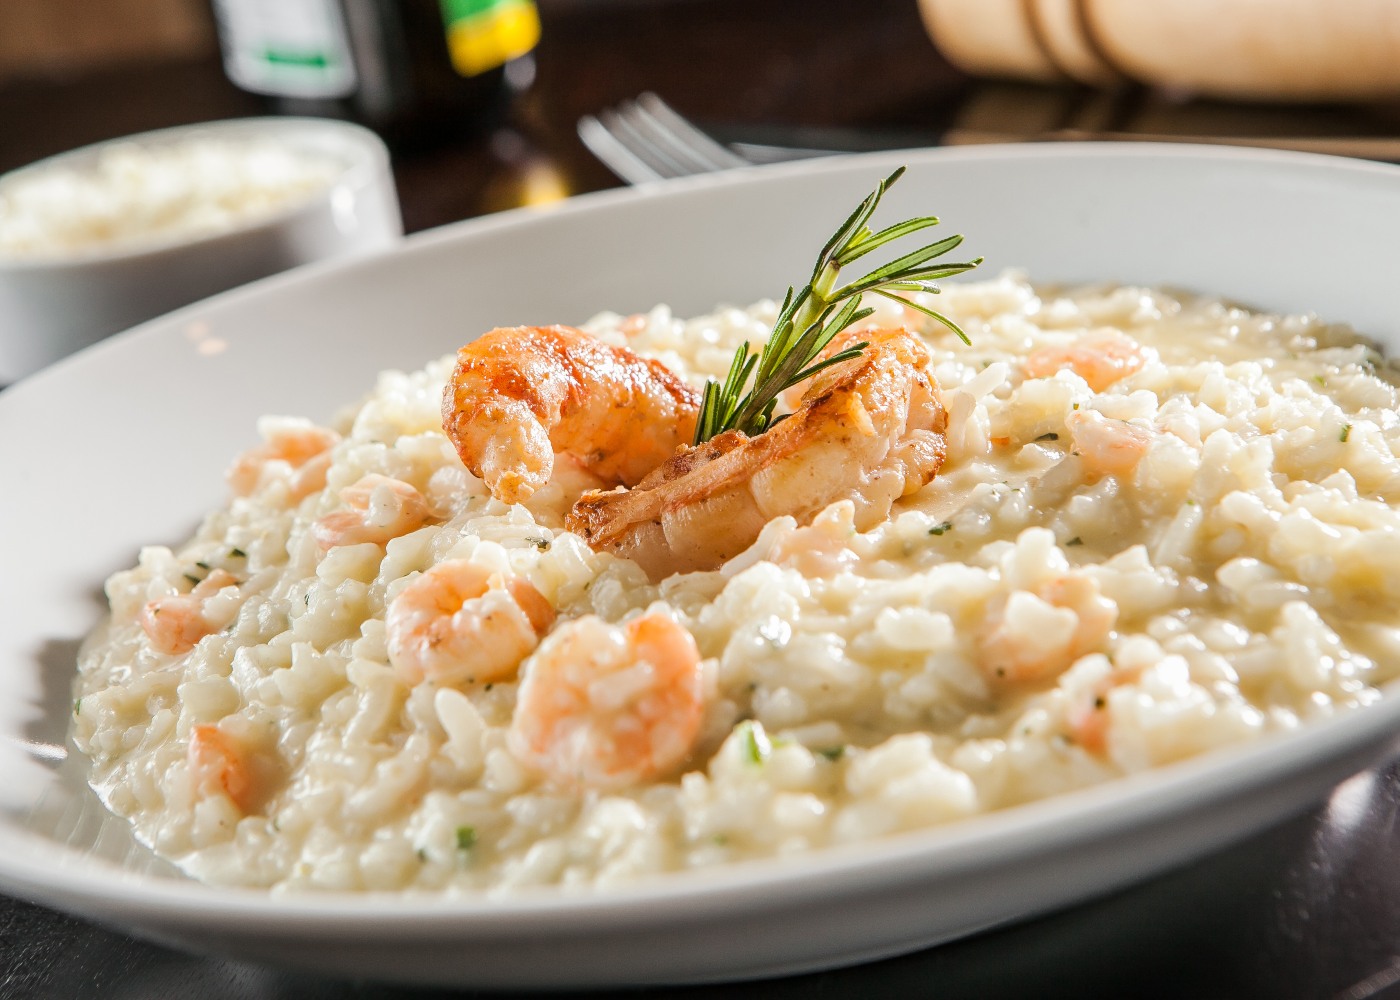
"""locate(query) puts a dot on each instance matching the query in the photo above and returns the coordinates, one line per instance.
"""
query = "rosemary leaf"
(812, 316)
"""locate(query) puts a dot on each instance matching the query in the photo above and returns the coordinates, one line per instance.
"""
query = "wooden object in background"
(49, 37)
(1274, 50)
(989, 38)
(1302, 50)
(1059, 27)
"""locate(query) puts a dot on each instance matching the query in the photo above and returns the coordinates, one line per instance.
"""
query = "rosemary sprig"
(813, 315)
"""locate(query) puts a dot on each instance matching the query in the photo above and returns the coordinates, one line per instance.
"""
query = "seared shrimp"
(1100, 360)
(381, 508)
(460, 623)
(299, 446)
(869, 430)
(607, 707)
(521, 394)
(174, 624)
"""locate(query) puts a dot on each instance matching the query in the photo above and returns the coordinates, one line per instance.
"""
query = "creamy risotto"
(1163, 525)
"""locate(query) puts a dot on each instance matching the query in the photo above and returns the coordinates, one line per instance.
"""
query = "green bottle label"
(484, 34)
(293, 48)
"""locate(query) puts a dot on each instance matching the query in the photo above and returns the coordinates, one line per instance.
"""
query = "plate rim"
(966, 841)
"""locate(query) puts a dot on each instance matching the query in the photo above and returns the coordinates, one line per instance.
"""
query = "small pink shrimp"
(298, 447)
(460, 623)
(1088, 720)
(608, 707)
(1107, 447)
(1079, 618)
(633, 325)
(520, 394)
(381, 508)
(219, 764)
(175, 624)
(1100, 360)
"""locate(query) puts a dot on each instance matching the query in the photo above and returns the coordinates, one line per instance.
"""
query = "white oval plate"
(124, 445)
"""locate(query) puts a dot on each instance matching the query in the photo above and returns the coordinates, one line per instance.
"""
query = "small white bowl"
(52, 305)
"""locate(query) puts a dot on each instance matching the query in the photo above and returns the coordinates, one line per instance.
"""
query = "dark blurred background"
(837, 73)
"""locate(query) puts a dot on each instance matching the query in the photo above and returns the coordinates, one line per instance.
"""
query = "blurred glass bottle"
(414, 70)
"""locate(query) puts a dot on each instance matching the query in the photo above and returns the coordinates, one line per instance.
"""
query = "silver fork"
(645, 140)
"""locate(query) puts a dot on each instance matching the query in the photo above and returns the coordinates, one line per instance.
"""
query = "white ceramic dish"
(52, 306)
(124, 444)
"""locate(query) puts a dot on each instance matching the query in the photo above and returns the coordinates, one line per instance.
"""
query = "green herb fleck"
(542, 544)
(1076, 540)
(1346, 433)
(939, 529)
(754, 746)
(193, 579)
(811, 318)
(77, 706)
(423, 855)
(1320, 380)
(833, 753)
(466, 838)
(306, 599)
(238, 553)
(202, 565)
(1050, 436)
(720, 839)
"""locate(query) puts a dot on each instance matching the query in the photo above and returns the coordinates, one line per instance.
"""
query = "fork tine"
(645, 140)
(653, 141)
(690, 156)
(618, 157)
(640, 139)
(680, 132)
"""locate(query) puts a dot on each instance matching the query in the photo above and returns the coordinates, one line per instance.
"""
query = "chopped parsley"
(202, 565)
(1346, 433)
(77, 706)
(939, 529)
(1076, 540)
(466, 838)
(1320, 380)
(542, 544)
(754, 745)
(193, 579)
(1049, 436)
(238, 553)
(833, 753)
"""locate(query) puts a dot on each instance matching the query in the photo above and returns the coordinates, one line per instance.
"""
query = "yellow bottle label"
(484, 34)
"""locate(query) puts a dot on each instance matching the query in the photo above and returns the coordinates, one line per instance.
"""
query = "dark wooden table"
(1310, 908)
